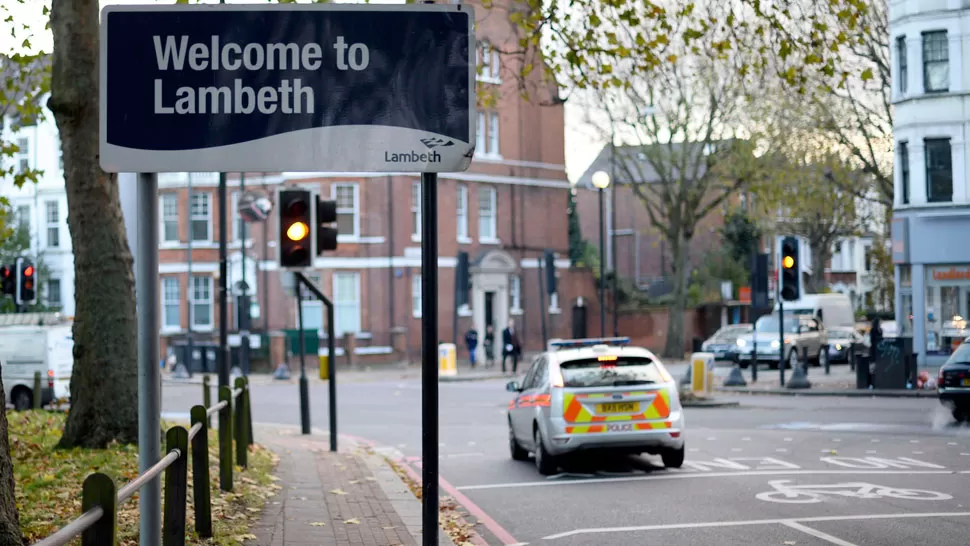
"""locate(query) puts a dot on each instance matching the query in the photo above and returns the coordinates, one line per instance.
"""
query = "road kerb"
(863, 393)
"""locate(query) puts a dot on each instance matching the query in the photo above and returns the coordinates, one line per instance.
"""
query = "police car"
(595, 394)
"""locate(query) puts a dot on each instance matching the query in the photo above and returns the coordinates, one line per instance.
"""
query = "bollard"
(176, 488)
(225, 440)
(207, 398)
(754, 363)
(798, 379)
(200, 474)
(852, 349)
(38, 394)
(99, 490)
(249, 414)
(735, 379)
(824, 351)
(239, 424)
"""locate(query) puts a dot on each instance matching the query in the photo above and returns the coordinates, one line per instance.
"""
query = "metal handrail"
(129, 489)
(70, 531)
(215, 409)
(82, 523)
(194, 430)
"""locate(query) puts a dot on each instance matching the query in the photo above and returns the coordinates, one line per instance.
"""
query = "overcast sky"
(581, 144)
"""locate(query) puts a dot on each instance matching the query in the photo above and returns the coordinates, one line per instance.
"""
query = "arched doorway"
(490, 290)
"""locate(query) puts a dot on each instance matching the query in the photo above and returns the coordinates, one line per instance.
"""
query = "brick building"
(504, 211)
(641, 252)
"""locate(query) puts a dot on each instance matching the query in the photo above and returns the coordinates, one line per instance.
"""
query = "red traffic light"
(29, 271)
(5, 271)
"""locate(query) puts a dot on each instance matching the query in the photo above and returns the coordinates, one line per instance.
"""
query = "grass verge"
(49, 482)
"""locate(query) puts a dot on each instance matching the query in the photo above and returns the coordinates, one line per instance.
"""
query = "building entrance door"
(490, 309)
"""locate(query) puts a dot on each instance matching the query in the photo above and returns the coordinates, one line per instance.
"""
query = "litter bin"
(891, 358)
(324, 366)
(447, 359)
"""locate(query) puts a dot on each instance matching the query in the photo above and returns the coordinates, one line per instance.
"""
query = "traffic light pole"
(331, 363)
(429, 353)
(781, 338)
(304, 384)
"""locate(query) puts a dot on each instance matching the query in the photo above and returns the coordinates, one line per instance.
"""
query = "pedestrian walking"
(489, 346)
(511, 347)
(471, 342)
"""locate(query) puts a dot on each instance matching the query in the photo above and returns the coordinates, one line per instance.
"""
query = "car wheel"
(793, 358)
(545, 463)
(960, 415)
(22, 400)
(673, 458)
(516, 450)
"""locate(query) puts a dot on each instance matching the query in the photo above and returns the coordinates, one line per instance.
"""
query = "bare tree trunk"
(674, 348)
(9, 519)
(104, 384)
(815, 282)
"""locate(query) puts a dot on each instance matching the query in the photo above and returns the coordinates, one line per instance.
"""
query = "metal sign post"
(149, 375)
(331, 363)
(429, 358)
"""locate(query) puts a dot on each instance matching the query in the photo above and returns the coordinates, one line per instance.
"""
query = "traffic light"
(550, 265)
(8, 284)
(790, 271)
(26, 282)
(326, 235)
(296, 236)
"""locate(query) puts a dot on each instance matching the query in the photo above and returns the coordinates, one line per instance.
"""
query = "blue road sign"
(296, 87)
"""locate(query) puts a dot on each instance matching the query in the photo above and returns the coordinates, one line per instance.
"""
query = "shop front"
(932, 282)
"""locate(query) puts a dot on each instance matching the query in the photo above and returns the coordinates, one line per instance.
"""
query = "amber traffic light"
(790, 275)
(296, 217)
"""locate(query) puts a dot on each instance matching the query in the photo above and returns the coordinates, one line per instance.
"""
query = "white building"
(43, 206)
(930, 43)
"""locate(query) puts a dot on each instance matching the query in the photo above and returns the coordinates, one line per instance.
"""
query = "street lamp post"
(601, 180)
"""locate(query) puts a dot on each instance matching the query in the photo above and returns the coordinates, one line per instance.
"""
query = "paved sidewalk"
(841, 381)
(346, 498)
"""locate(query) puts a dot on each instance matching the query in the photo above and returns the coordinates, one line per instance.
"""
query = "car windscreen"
(607, 371)
(961, 355)
(841, 333)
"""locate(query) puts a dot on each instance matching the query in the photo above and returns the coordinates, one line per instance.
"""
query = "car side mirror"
(513, 386)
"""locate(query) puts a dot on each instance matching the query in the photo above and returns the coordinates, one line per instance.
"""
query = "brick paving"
(328, 498)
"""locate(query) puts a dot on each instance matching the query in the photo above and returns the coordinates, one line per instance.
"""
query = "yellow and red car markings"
(574, 412)
(531, 401)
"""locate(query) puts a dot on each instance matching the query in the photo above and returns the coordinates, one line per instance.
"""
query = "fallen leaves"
(338, 491)
(317, 524)
(352, 521)
(450, 517)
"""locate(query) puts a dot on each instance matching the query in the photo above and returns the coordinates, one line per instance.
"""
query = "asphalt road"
(776, 470)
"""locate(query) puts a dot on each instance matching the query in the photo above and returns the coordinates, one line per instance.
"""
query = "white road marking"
(692, 449)
(712, 438)
(781, 450)
(787, 492)
(788, 439)
(917, 453)
(836, 439)
(735, 449)
(455, 455)
(817, 534)
(870, 451)
(965, 454)
(951, 443)
(752, 522)
(875, 441)
(555, 480)
(914, 441)
(745, 439)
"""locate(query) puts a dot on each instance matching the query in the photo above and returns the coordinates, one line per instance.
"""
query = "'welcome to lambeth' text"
(289, 97)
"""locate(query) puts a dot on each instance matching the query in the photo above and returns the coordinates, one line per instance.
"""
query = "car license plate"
(965, 382)
(618, 407)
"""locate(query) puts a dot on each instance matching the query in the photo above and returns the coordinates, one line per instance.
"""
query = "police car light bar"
(589, 342)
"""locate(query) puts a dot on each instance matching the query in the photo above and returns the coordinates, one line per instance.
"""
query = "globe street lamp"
(601, 180)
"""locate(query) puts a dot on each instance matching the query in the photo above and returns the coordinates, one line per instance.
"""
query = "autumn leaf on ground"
(354, 481)
(318, 524)
(338, 491)
(352, 521)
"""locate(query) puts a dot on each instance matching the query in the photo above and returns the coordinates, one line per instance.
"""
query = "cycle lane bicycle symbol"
(786, 492)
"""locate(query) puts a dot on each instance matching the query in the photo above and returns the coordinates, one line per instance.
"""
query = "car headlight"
(741, 343)
(838, 346)
(774, 344)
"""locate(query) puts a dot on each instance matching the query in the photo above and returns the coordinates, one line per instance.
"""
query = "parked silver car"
(800, 331)
(724, 342)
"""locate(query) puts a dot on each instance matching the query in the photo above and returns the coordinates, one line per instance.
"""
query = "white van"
(32, 342)
(834, 310)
